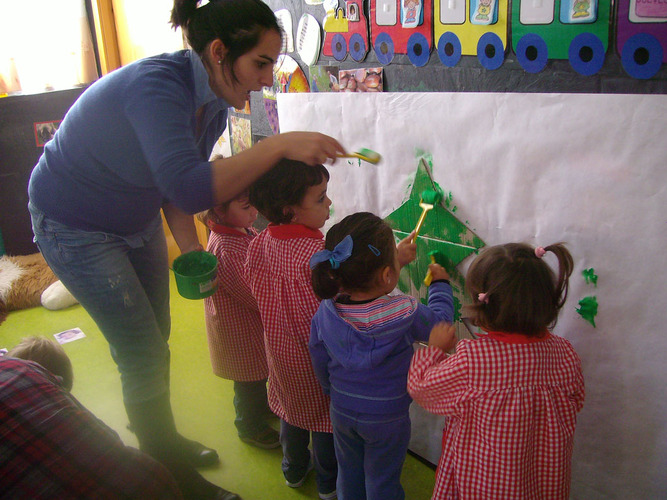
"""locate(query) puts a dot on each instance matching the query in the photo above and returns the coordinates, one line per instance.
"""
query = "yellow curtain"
(143, 29)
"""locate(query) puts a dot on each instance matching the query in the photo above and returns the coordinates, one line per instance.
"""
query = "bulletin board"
(468, 75)
(541, 168)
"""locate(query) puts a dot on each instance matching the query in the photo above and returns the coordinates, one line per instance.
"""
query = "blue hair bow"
(340, 253)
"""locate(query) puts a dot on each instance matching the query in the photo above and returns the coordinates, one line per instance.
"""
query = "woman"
(136, 141)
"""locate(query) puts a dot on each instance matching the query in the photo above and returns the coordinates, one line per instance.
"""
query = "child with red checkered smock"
(293, 198)
(512, 395)
(233, 325)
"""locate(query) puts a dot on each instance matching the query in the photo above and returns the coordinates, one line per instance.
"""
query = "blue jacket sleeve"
(440, 308)
(319, 356)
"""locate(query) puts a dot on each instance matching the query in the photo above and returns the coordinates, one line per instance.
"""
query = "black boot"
(156, 420)
(153, 423)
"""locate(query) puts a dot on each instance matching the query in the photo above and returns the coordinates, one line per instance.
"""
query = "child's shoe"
(298, 482)
(268, 438)
(328, 496)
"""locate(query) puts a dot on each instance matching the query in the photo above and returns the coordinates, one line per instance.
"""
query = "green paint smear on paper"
(588, 309)
(590, 276)
(448, 202)
(420, 154)
(457, 309)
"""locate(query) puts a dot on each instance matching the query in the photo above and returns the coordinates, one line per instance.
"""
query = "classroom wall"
(468, 75)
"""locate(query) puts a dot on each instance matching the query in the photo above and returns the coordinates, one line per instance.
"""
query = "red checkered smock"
(279, 275)
(511, 403)
(233, 325)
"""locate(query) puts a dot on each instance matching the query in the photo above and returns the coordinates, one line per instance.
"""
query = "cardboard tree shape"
(441, 232)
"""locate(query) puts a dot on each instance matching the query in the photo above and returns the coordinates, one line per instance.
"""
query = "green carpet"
(202, 402)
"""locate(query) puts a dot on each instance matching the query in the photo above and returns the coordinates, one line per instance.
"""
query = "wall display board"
(585, 169)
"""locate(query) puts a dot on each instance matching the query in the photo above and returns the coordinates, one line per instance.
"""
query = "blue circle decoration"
(652, 46)
(449, 38)
(383, 42)
(338, 47)
(357, 47)
(594, 44)
(493, 40)
(536, 43)
(418, 49)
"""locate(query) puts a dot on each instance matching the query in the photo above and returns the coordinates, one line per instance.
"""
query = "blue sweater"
(366, 370)
(129, 144)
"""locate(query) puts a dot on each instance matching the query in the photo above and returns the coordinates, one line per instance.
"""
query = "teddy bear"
(27, 281)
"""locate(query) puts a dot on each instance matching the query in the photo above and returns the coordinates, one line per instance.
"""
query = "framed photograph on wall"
(44, 131)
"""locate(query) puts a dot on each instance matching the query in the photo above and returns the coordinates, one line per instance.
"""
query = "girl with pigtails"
(361, 344)
(511, 396)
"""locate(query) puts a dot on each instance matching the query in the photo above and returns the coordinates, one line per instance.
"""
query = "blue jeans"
(370, 450)
(123, 283)
(296, 456)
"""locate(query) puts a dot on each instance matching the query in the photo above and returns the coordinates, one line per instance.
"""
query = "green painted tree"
(441, 232)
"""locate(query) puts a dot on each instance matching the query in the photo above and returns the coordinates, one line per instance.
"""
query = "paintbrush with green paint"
(436, 257)
(367, 155)
(429, 198)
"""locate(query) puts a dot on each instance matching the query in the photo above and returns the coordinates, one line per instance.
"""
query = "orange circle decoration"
(288, 76)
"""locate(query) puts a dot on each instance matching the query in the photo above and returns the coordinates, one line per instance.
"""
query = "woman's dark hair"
(239, 24)
(373, 248)
(522, 293)
(284, 185)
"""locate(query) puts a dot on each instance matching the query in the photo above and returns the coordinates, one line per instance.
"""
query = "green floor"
(202, 402)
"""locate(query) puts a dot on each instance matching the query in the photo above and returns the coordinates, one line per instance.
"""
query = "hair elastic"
(374, 250)
(539, 252)
(483, 297)
(340, 253)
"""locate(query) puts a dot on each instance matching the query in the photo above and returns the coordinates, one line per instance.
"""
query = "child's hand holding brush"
(437, 272)
(407, 250)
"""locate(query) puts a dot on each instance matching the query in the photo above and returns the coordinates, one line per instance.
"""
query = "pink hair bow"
(482, 297)
(540, 252)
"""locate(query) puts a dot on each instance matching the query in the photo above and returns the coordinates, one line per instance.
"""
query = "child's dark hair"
(519, 291)
(239, 24)
(284, 185)
(374, 248)
(210, 215)
(47, 353)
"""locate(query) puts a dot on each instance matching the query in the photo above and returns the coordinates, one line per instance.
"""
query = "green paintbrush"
(364, 154)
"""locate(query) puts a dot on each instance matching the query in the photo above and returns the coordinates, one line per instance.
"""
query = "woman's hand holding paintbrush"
(367, 155)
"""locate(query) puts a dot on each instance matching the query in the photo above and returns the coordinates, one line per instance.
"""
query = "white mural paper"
(589, 170)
